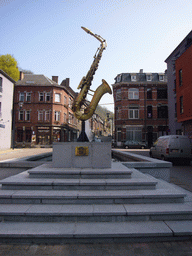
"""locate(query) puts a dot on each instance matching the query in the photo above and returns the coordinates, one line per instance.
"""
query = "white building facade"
(6, 110)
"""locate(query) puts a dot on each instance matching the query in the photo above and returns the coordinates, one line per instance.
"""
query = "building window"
(149, 77)
(28, 97)
(65, 118)
(57, 97)
(180, 77)
(133, 78)
(47, 115)
(133, 94)
(133, 113)
(40, 115)
(149, 112)
(161, 78)
(118, 94)
(57, 116)
(181, 105)
(134, 133)
(175, 109)
(1, 84)
(70, 118)
(70, 102)
(21, 96)
(162, 112)
(41, 96)
(21, 115)
(117, 112)
(161, 93)
(27, 115)
(47, 96)
(149, 93)
(65, 100)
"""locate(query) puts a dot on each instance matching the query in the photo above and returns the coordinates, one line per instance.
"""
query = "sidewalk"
(22, 152)
(175, 248)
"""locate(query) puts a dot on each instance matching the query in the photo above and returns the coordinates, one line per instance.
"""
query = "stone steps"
(99, 232)
(117, 171)
(91, 197)
(78, 184)
(94, 213)
(91, 205)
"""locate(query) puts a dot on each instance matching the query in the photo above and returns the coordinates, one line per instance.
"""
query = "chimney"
(21, 75)
(55, 79)
(67, 81)
(141, 71)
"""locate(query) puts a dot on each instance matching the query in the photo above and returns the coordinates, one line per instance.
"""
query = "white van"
(172, 147)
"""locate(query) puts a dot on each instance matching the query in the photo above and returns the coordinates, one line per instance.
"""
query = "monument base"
(82, 155)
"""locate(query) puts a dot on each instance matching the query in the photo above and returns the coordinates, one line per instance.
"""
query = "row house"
(43, 111)
(175, 125)
(6, 109)
(141, 107)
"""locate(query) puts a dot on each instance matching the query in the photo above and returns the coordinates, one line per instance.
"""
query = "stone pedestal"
(82, 154)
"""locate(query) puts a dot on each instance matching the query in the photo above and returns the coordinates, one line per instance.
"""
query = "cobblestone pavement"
(179, 248)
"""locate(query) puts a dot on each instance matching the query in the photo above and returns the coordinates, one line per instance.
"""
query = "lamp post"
(110, 118)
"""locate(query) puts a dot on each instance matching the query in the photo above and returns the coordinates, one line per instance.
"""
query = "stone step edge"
(92, 231)
(94, 210)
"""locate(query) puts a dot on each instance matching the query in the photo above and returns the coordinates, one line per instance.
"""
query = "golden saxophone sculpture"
(86, 83)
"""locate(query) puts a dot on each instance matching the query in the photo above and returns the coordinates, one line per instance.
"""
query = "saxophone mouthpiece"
(87, 30)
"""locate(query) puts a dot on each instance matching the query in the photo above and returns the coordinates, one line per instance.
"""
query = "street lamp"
(110, 118)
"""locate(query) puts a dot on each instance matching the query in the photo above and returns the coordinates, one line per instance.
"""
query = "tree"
(9, 65)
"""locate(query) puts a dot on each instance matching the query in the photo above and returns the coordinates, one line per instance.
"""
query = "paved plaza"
(176, 248)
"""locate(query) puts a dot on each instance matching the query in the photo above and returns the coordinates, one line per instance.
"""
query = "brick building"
(43, 112)
(175, 126)
(141, 107)
(183, 67)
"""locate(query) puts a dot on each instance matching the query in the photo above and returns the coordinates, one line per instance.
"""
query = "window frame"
(181, 104)
(57, 97)
(57, 116)
(118, 94)
(47, 96)
(180, 77)
(133, 113)
(21, 114)
(47, 115)
(134, 92)
(41, 96)
(40, 115)
(27, 115)
(21, 96)
(28, 96)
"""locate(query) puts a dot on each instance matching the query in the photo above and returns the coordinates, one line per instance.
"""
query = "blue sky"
(45, 36)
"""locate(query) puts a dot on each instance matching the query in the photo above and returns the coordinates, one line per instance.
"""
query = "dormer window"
(161, 78)
(149, 77)
(133, 78)
(118, 78)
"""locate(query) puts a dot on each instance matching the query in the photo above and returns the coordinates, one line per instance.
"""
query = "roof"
(36, 80)
(7, 76)
(179, 45)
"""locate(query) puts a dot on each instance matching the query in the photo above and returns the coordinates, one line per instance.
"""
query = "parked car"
(172, 147)
(134, 144)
